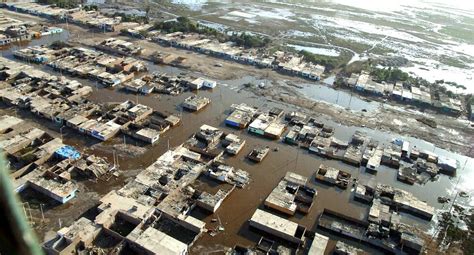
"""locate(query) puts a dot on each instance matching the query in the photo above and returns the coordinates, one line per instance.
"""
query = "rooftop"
(158, 242)
(274, 222)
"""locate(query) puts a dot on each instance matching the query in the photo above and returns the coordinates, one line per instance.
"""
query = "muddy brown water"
(242, 203)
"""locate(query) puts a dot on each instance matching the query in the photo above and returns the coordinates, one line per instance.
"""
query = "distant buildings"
(85, 63)
(120, 47)
(421, 96)
(283, 62)
(91, 19)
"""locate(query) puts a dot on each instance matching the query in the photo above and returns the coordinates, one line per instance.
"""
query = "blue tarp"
(68, 152)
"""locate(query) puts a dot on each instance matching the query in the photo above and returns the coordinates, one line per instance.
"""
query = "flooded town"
(154, 128)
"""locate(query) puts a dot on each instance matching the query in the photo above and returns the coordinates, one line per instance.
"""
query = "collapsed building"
(139, 215)
(45, 164)
(291, 194)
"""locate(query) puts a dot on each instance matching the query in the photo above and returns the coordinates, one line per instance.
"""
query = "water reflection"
(337, 97)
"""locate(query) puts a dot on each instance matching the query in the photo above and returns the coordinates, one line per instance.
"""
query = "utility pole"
(297, 155)
(42, 213)
(113, 154)
(61, 132)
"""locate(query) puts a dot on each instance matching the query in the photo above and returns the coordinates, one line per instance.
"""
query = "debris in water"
(443, 200)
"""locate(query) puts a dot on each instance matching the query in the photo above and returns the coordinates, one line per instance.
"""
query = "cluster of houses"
(382, 228)
(285, 62)
(413, 164)
(120, 47)
(85, 63)
(12, 30)
(417, 95)
(139, 31)
(156, 82)
(39, 161)
(89, 18)
(195, 103)
(145, 215)
(363, 151)
(267, 124)
(165, 84)
(64, 102)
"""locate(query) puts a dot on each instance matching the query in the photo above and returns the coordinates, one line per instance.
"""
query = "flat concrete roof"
(274, 222)
(319, 245)
(148, 133)
(113, 202)
(158, 242)
(7, 122)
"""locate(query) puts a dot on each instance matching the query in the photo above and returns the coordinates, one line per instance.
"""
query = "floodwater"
(316, 50)
(7, 51)
(337, 97)
(242, 203)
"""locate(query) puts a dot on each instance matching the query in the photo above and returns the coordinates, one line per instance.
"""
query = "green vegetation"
(90, 8)
(329, 62)
(469, 98)
(249, 41)
(451, 83)
(185, 25)
(457, 31)
(67, 4)
(132, 18)
(389, 74)
(455, 61)
(392, 75)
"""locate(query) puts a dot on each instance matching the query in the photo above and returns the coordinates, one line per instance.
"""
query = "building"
(362, 81)
(196, 103)
(54, 186)
(148, 135)
(119, 46)
(105, 130)
(472, 112)
(261, 123)
(202, 83)
(291, 195)
(241, 116)
(8, 123)
(154, 241)
(319, 245)
(277, 226)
